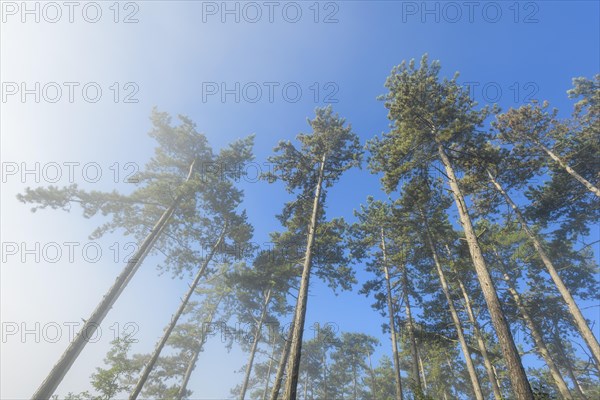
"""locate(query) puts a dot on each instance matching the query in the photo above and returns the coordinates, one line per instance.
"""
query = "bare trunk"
(60, 369)
(411, 334)
(567, 364)
(266, 391)
(489, 368)
(518, 378)
(282, 365)
(422, 368)
(255, 344)
(540, 344)
(372, 375)
(184, 302)
(570, 170)
(391, 313)
(453, 313)
(194, 357)
(579, 319)
(300, 314)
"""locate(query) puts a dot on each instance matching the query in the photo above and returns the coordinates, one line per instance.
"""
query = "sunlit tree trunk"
(569, 170)
(184, 302)
(455, 319)
(391, 314)
(282, 365)
(300, 314)
(269, 368)
(60, 369)
(196, 353)
(518, 378)
(540, 344)
(574, 310)
(255, 344)
(411, 334)
(479, 337)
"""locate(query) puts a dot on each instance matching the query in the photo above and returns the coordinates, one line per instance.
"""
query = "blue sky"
(171, 54)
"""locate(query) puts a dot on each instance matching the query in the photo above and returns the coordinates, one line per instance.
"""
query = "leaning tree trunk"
(196, 353)
(282, 364)
(391, 313)
(568, 366)
(489, 368)
(569, 170)
(269, 368)
(540, 344)
(453, 313)
(184, 302)
(300, 314)
(255, 344)
(422, 368)
(574, 310)
(518, 378)
(60, 369)
(411, 335)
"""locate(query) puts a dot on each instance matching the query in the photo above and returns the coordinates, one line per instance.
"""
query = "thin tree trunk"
(255, 344)
(372, 375)
(570, 170)
(60, 369)
(268, 380)
(574, 310)
(282, 364)
(325, 386)
(411, 334)
(477, 332)
(567, 364)
(540, 344)
(422, 368)
(306, 385)
(184, 302)
(518, 378)
(194, 358)
(453, 313)
(354, 383)
(300, 314)
(391, 313)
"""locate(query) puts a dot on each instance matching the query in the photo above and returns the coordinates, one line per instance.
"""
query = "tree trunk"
(282, 364)
(391, 313)
(60, 369)
(184, 302)
(567, 364)
(194, 358)
(300, 314)
(489, 368)
(569, 170)
(411, 334)
(372, 375)
(268, 380)
(255, 344)
(422, 368)
(518, 378)
(188, 374)
(578, 317)
(453, 313)
(540, 344)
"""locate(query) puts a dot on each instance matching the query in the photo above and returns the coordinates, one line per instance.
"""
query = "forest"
(484, 221)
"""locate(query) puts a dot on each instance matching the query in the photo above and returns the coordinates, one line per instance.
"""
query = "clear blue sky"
(177, 54)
